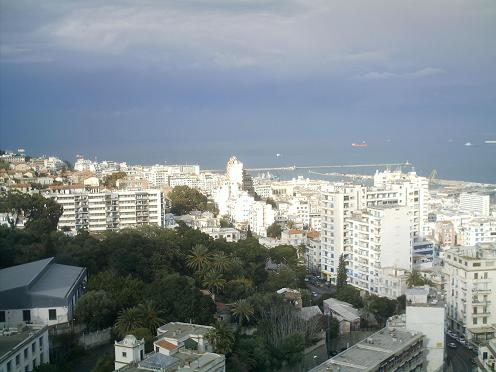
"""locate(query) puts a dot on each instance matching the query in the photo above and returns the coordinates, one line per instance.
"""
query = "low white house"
(39, 293)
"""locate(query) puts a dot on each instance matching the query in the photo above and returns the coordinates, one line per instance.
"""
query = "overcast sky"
(153, 80)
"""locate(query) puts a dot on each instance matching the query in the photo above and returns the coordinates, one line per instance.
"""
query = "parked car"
(452, 345)
(462, 341)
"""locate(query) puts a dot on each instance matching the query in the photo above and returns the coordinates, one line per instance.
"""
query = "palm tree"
(150, 316)
(213, 281)
(242, 309)
(220, 262)
(414, 279)
(127, 320)
(221, 337)
(199, 258)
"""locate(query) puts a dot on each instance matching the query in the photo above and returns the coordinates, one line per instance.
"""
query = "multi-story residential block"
(103, 211)
(312, 252)
(475, 203)
(380, 245)
(390, 349)
(40, 293)
(470, 291)
(478, 230)
(337, 203)
(261, 217)
(23, 349)
(413, 192)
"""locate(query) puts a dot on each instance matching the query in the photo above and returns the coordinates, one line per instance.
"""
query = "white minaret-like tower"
(129, 350)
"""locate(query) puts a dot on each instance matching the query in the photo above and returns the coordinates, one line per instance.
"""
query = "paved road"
(459, 358)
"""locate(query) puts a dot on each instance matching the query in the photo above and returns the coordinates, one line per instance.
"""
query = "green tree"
(285, 254)
(351, 295)
(242, 309)
(184, 199)
(221, 337)
(150, 315)
(96, 310)
(214, 281)
(104, 364)
(144, 333)
(381, 307)
(110, 181)
(274, 231)
(414, 279)
(249, 234)
(220, 261)
(42, 214)
(292, 349)
(342, 276)
(128, 319)
(199, 258)
(271, 202)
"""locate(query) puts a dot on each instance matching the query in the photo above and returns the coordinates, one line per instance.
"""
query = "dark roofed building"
(40, 292)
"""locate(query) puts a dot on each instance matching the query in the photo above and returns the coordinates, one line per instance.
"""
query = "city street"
(460, 358)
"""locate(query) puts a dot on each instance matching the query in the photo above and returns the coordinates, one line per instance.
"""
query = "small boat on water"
(490, 142)
(468, 144)
(363, 144)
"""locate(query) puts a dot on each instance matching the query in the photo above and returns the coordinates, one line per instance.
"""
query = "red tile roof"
(166, 345)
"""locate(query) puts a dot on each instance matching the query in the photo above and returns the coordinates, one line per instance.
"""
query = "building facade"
(470, 291)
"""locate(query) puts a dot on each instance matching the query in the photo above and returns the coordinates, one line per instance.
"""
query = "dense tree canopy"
(184, 199)
(274, 230)
(42, 214)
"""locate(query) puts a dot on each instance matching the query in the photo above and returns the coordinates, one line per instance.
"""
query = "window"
(41, 358)
(9, 366)
(124, 354)
(26, 315)
(484, 320)
(52, 314)
(26, 353)
(18, 359)
(2, 316)
(474, 321)
(40, 341)
(33, 347)
(476, 275)
(485, 275)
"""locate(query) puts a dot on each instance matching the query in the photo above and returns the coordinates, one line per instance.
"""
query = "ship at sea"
(490, 142)
(363, 144)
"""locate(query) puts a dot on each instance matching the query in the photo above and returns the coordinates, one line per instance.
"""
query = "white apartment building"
(240, 208)
(380, 244)
(478, 230)
(23, 349)
(470, 291)
(412, 191)
(312, 252)
(299, 211)
(338, 201)
(475, 203)
(261, 217)
(103, 211)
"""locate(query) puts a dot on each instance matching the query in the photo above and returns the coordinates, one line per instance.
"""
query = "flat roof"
(8, 343)
(178, 330)
(370, 352)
